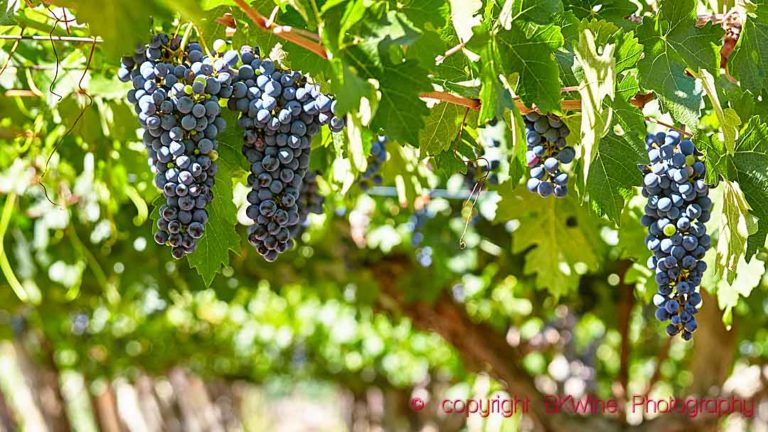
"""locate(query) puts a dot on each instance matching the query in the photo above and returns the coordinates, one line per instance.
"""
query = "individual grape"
(547, 152)
(676, 209)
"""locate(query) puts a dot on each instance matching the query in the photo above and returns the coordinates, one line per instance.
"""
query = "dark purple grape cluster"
(676, 212)
(176, 94)
(372, 174)
(281, 110)
(547, 150)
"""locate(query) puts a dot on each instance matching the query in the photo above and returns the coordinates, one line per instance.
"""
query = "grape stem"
(474, 104)
(299, 37)
(450, 52)
(185, 38)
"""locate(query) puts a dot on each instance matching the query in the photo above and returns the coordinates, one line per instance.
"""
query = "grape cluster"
(310, 201)
(176, 95)
(547, 149)
(377, 157)
(676, 212)
(280, 112)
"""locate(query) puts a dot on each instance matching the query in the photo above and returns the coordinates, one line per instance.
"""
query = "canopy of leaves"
(448, 233)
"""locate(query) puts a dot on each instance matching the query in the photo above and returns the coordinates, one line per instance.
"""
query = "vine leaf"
(421, 12)
(355, 144)
(531, 54)
(614, 10)
(749, 163)
(749, 61)
(673, 43)
(401, 113)
(353, 94)
(736, 225)
(598, 83)
(558, 235)
(729, 119)
(440, 129)
(748, 276)
(464, 16)
(123, 25)
(614, 174)
(697, 47)
(537, 11)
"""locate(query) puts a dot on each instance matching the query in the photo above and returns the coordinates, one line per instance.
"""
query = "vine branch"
(297, 36)
(53, 38)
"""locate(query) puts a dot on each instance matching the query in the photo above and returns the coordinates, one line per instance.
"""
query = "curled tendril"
(479, 184)
(80, 115)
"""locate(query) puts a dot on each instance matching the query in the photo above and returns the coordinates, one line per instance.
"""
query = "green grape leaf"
(538, 11)
(747, 277)
(464, 16)
(749, 61)
(613, 10)
(393, 29)
(221, 235)
(614, 174)
(122, 25)
(557, 234)
(531, 55)
(492, 90)
(735, 227)
(8, 14)
(664, 73)
(697, 46)
(353, 93)
(354, 144)
(672, 43)
(749, 163)
(628, 51)
(426, 48)
(598, 83)
(421, 12)
(401, 113)
(729, 119)
(632, 233)
(630, 119)
(441, 128)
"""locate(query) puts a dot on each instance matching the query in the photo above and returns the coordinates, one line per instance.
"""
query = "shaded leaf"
(614, 173)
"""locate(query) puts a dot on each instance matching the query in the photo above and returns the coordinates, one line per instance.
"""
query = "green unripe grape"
(219, 46)
(201, 79)
(213, 154)
(690, 160)
(188, 89)
(670, 230)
